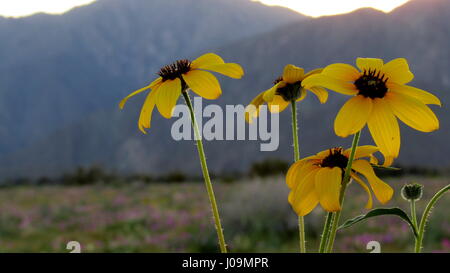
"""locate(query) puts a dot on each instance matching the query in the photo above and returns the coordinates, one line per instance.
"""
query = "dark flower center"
(335, 159)
(291, 91)
(372, 84)
(175, 70)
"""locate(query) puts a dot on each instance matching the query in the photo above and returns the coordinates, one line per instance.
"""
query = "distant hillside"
(418, 31)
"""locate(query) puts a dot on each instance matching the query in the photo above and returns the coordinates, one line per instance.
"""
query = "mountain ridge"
(110, 137)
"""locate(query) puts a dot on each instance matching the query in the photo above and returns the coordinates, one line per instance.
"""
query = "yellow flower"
(178, 77)
(317, 179)
(379, 96)
(286, 89)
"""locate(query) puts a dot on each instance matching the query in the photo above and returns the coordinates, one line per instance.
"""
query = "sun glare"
(318, 8)
(18, 8)
(315, 8)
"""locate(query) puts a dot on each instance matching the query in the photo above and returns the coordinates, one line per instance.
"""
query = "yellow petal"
(320, 92)
(362, 151)
(278, 104)
(206, 59)
(252, 110)
(413, 112)
(353, 116)
(313, 72)
(292, 73)
(336, 85)
(298, 171)
(146, 112)
(153, 85)
(384, 129)
(382, 191)
(303, 94)
(328, 187)
(231, 70)
(397, 71)
(203, 84)
(364, 186)
(167, 96)
(344, 72)
(374, 160)
(304, 198)
(365, 64)
(271, 92)
(418, 94)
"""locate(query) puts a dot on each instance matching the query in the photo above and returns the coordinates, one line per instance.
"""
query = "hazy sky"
(308, 7)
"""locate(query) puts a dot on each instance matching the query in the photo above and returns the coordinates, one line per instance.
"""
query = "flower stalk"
(208, 184)
(425, 215)
(325, 232)
(345, 181)
(301, 221)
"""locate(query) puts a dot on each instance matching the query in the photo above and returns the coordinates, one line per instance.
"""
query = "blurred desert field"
(175, 217)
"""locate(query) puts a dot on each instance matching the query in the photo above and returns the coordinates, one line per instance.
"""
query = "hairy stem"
(425, 215)
(208, 184)
(345, 181)
(301, 221)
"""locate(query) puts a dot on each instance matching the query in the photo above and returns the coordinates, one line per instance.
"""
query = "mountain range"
(63, 75)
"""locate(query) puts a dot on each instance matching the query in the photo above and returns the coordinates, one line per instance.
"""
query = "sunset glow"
(318, 8)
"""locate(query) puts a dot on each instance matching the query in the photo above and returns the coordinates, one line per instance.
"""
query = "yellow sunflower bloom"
(180, 76)
(379, 97)
(318, 179)
(286, 89)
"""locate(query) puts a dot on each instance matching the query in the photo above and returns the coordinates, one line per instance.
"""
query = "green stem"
(425, 215)
(345, 181)
(413, 212)
(208, 183)
(301, 221)
(325, 232)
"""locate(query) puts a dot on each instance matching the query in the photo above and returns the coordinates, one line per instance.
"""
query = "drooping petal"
(366, 64)
(373, 160)
(303, 94)
(270, 93)
(145, 117)
(206, 59)
(383, 127)
(167, 96)
(364, 186)
(320, 92)
(382, 191)
(412, 112)
(353, 116)
(252, 110)
(278, 104)
(336, 85)
(304, 198)
(313, 72)
(397, 71)
(292, 73)
(298, 171)
(362, 151)
(344, 72)
(203, 84)
(231, 70)
(328, 187)
(152, 85)
(419, 94)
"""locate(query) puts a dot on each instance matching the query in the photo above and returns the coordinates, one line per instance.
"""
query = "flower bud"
(412, 192)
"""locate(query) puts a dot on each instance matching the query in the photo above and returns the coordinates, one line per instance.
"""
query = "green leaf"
(379, 212)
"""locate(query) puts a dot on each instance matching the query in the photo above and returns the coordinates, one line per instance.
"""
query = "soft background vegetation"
(175, 217)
